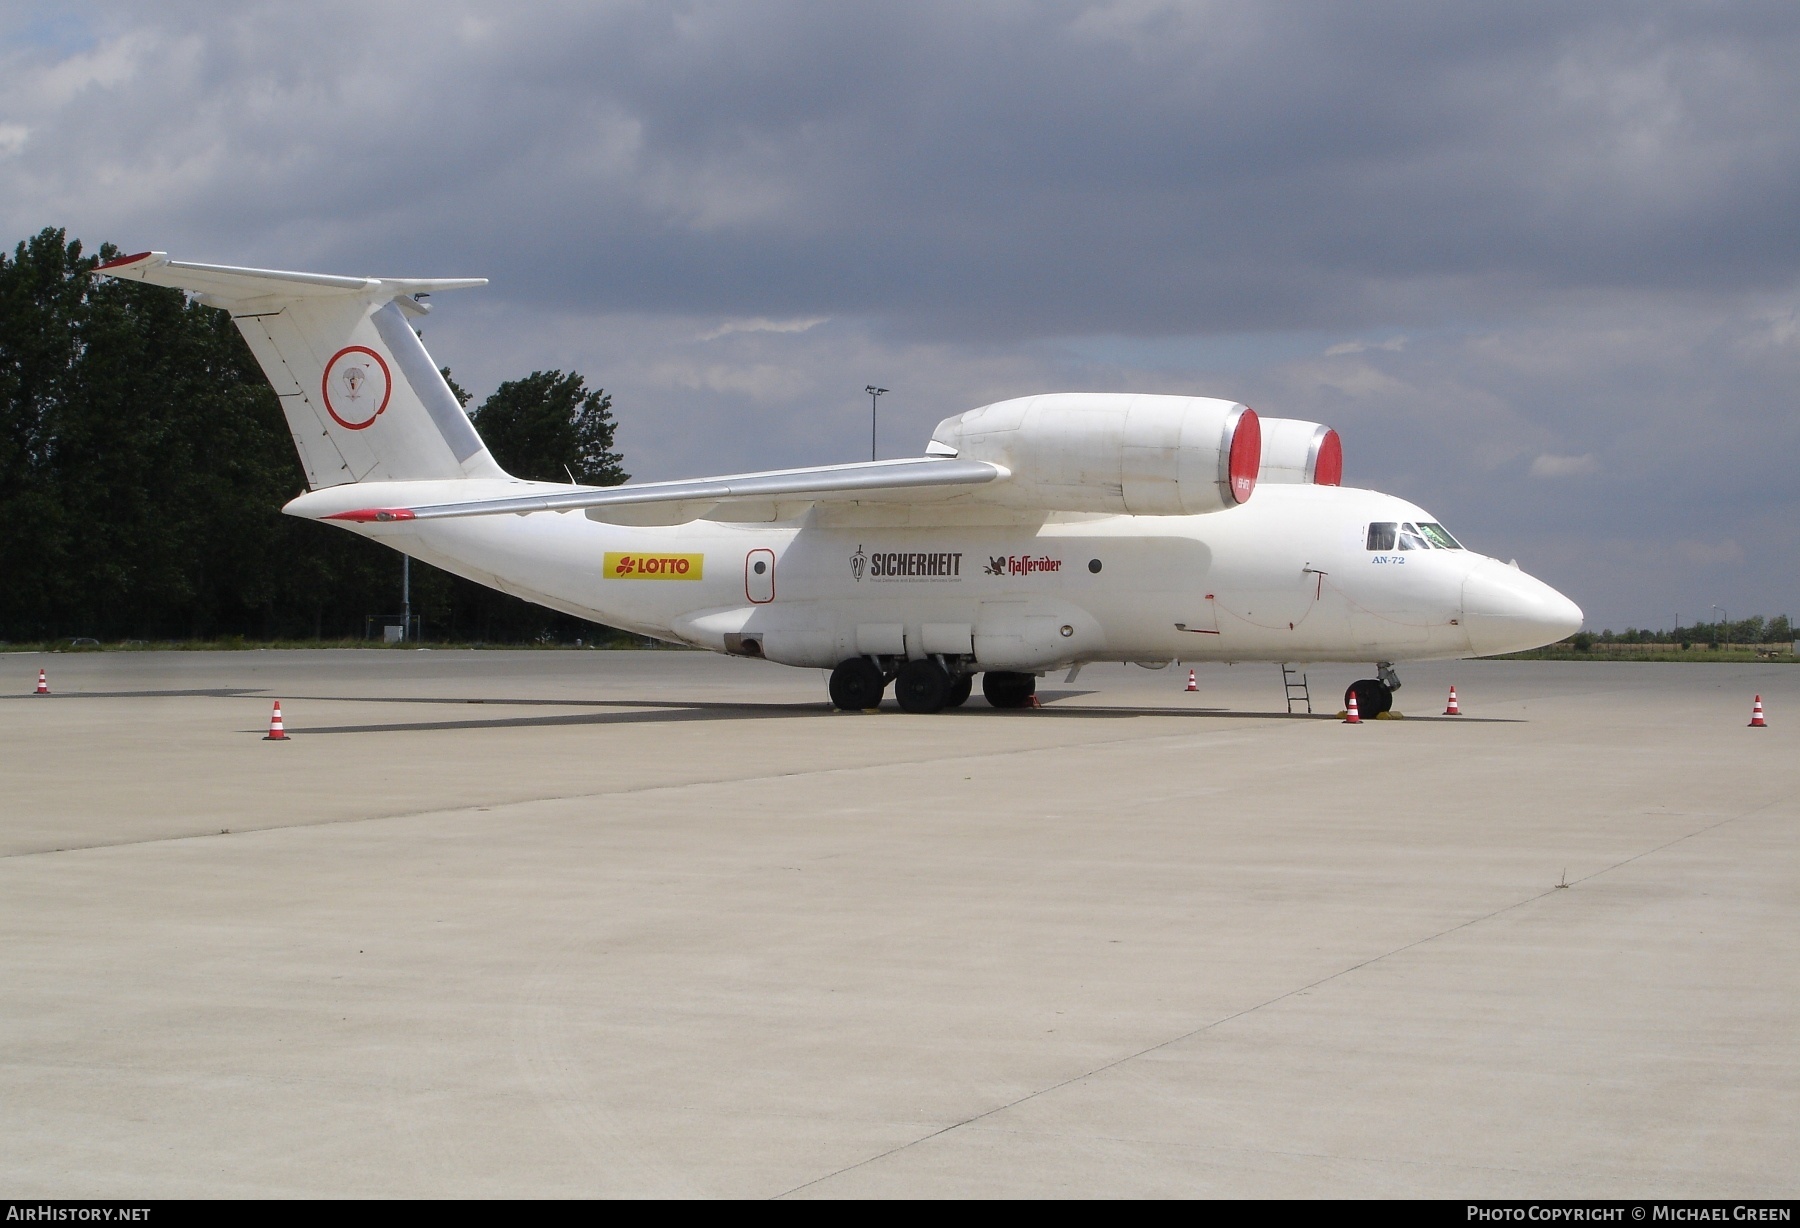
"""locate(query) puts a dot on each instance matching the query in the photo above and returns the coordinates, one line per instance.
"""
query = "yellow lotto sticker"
(653, 566)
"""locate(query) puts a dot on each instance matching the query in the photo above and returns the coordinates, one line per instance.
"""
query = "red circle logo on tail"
(356, 387)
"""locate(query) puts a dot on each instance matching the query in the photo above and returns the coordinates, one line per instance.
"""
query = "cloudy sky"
(1538, 263)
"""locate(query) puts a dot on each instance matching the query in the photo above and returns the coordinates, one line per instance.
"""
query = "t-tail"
(363, 399)
(383, 440)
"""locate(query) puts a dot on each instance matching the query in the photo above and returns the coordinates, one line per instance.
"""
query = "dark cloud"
(1575, 229)
(1008, 169)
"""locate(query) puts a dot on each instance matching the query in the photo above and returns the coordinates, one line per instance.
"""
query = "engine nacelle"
(1300, 452)
(1111, 452)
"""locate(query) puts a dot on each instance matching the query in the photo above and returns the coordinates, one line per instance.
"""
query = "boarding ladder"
(1296, 690)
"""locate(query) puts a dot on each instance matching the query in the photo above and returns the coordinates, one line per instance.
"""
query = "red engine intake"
(1245, 455)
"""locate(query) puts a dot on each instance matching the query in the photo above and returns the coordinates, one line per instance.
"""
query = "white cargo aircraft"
(1033, 534)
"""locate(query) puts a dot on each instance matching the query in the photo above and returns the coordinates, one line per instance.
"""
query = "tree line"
(144, 460)
(1756, 630)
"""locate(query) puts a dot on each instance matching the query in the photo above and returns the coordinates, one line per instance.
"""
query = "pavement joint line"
(1278, 998)
(610, 793)
(1269, 1151)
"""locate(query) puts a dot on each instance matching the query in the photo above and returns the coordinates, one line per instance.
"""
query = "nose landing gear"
(1374, 695)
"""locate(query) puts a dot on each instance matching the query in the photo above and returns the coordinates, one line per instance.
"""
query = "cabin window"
(1381, 535)
(1438, 536)
(1411, 538)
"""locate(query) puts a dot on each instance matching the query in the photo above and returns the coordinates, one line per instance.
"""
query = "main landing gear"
(960, 686)
(1374, 695)
(922, 686)
(858, 683)
(1006, 690)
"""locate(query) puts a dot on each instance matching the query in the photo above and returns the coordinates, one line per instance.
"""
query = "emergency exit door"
(759, 576)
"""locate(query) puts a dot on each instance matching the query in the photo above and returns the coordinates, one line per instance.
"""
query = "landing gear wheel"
(856, 684)
(1008, 690)
(921, 686)
(1372, 697)
(958, 694)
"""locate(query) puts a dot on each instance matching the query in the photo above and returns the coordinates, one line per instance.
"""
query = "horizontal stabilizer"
(227, 285)
(911, 480)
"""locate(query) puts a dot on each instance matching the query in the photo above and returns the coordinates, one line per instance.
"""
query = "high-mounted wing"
(912, 480)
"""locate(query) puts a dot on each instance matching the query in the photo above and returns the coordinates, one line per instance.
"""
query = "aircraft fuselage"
(1035, 532)
(1289, 576)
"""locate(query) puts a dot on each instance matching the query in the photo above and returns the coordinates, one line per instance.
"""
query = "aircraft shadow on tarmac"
(644, 712)
(229, 692)
(650, 711)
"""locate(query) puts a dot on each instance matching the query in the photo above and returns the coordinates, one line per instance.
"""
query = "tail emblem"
(357, 386)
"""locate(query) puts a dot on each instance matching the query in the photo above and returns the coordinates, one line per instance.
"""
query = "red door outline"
(759, 589)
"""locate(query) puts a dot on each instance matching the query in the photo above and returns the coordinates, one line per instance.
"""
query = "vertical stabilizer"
(363, 399)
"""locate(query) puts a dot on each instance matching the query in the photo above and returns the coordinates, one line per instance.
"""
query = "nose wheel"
(1372, 697)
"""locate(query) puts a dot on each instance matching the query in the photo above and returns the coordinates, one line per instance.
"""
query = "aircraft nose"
(1505, 610)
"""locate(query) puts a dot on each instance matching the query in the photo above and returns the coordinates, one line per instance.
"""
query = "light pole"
(874, 400)
(1726, 629)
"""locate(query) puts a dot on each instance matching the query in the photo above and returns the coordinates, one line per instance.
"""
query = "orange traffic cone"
(1193, 683)
(43, 684)
(1450, 709)
(1351, 715)
(1034, 702)
(276, 732)
(1756, 716)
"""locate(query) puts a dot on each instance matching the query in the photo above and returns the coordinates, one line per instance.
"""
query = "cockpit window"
(1411, 539)
(1438, 536)
(1426, 535)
